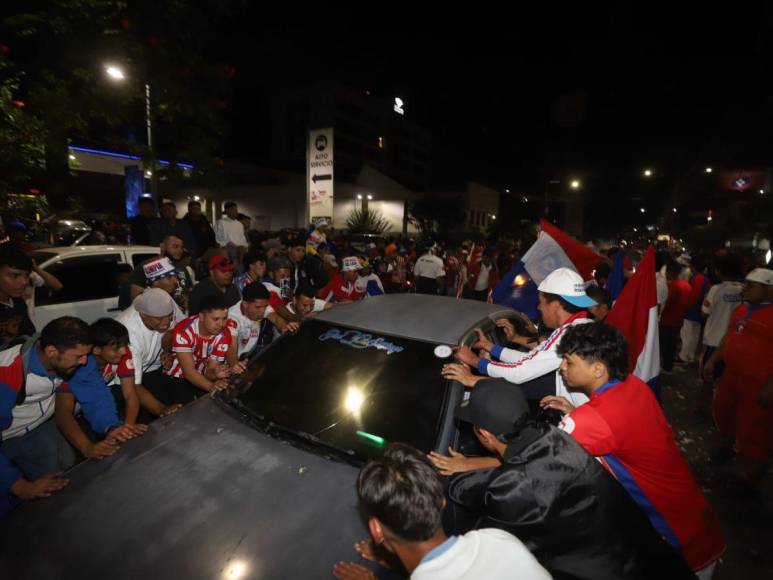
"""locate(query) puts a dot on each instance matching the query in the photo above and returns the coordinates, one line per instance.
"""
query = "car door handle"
(116, 309)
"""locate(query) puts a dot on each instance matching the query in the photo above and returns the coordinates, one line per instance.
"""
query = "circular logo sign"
(321, 143)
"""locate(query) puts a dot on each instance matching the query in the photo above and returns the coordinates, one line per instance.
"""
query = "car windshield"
(354, 390)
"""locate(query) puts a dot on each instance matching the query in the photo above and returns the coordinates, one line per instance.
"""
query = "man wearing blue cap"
(562, 303)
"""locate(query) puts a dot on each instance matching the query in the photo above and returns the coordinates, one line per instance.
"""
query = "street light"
(674, 210)
(370, 197)
(709, 170)
(647, 173)
(641, 209)
(359, 196)
(117, 74)
(575, 184)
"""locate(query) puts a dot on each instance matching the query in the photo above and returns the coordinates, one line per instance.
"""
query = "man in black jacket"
(308, 269)
(558, 500)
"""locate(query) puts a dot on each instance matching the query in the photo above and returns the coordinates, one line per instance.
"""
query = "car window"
(83, 278)
(41, 257)
(354, 390)
(138, 258)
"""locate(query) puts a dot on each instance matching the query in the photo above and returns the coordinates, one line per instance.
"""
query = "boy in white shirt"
(402, 498)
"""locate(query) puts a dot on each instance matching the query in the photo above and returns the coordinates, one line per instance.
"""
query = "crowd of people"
(635, 511)
(536, 503)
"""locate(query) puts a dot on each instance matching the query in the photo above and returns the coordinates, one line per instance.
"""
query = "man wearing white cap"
(342, 287)
(743, 398)
(160, 273)
(563, 303)
(148, 319)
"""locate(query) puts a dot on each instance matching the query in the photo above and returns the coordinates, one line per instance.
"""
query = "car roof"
(62, 251)
(437, 319)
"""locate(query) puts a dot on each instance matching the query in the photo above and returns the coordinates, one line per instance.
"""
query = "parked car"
(89, 277)
(259, 483)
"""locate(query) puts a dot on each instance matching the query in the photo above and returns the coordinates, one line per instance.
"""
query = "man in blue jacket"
(33, 453)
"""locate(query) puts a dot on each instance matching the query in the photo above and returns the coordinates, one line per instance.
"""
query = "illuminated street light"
(72, 157)
(507, 191)
(647, 173)
(674, 210)
(359, 196)
(370, 196)
(642, 210)
(115, 73)
(575, 184)
(709, 170)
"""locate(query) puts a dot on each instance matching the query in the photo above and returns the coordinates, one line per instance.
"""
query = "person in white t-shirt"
(305, 303)
(229, 233)
(719, 304)
(429, 273)
(402, 498)
(247, 319)
(148, 320)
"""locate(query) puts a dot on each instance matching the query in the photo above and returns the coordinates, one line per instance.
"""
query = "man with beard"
(33, 453)
(172, 248)
(148, 321)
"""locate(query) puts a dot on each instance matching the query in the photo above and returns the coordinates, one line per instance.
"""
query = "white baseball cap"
(569, 285)
(351, 263)
(761, 275)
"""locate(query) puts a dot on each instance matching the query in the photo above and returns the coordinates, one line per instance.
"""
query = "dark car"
(259, 483)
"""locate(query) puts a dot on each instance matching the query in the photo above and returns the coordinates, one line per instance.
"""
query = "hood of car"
(201, 495)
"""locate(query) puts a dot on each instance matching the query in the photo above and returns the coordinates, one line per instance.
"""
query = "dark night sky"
(663, 89)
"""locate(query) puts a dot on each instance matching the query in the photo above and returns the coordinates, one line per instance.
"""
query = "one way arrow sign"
(316, 178)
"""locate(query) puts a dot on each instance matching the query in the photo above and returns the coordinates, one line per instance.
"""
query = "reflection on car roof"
(437, 319)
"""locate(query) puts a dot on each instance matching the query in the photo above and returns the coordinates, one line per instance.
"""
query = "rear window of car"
(357, 391)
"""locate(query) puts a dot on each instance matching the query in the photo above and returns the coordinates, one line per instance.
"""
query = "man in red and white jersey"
(342, 287)
(203, 357)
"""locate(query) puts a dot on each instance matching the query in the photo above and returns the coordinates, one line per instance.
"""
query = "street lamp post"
(117, 74)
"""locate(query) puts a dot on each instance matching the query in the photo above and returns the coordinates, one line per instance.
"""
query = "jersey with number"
(114, 373)
(187, 338)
